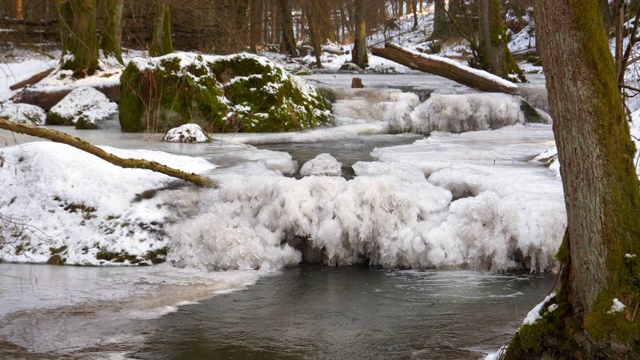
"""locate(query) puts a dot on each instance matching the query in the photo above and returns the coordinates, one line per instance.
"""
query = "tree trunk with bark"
(359, 54)
(414, 10)
(256, 12)
(286, 24)
(161, 42)
(78, 31)
(111, 29)
(78, 143)
(440, 28)
(493, 52)
(313, 13)
(600, 254)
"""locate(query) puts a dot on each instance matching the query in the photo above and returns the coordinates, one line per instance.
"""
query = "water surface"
(317, 312)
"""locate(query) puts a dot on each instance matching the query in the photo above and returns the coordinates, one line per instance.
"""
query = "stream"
(307, 311)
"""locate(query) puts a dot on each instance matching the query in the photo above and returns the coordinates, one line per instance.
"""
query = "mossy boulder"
(241, 92)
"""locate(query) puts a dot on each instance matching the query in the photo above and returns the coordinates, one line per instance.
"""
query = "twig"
(556, 282)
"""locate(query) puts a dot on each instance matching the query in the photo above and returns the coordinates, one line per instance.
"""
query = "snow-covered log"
(447, 68)
(61, 137)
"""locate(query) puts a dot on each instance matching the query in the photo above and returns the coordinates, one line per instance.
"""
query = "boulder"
(23, 113)
(82, 107)
(187, 133)
(240, 92)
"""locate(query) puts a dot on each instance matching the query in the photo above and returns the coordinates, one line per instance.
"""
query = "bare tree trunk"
(78, 30)
(19, 12)
(602, 193)
(439, 20)
(61, 137)
(286, 23)
(111, 29)
(359, 54)
(256, 13)
(313, 14)
(414, 9)
(161, 42)
(494, 53)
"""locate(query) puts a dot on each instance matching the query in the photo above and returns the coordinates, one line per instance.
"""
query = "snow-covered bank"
(60, 204)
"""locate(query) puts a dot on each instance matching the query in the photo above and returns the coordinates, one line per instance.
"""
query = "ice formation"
(323, 164)
(463, 112)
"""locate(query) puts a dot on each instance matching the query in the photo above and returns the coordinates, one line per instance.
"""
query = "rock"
(23, 113)
(82, 107)
(46, 98)
(349, 66)
(187, 133)
(323, 164)
(241, 92)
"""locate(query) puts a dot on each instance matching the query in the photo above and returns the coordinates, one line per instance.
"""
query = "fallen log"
(78, 143)
(447, 68)
(32, 80)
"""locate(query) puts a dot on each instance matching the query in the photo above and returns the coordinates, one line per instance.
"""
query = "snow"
(186, 133)
(14, 72)
(323, 164)
(85, 103)
(536, 313)
(63, 197)
(617, 306)
(23, 113)
(635, 136)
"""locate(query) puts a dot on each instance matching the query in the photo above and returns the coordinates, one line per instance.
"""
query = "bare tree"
(359, 54)
(161, 43)
(78, 31)
(111, 29)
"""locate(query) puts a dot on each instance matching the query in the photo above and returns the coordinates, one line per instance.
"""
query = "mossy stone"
(240, 92)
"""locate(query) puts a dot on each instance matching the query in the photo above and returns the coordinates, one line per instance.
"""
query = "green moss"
(546, 338)
(157, 256)
(83, 123)
(621, 228)
(117, 257)
(55, 119)
(531, 115)
(221, 94)
(152, 257)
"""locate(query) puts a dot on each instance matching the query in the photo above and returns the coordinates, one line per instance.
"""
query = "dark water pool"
(318, 312)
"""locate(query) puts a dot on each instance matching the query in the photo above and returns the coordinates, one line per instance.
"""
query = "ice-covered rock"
(323, 164)
(459, 113)
(83, 107)
(187, 133)
(23, 113)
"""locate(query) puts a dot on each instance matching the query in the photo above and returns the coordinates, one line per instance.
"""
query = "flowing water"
(315, 312)
(305, 312)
